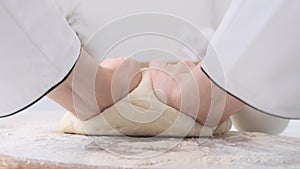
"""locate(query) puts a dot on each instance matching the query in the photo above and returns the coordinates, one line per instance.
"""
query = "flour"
(40, 146)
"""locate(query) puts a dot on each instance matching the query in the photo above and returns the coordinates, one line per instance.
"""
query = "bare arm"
(89, 88)
(185, 87)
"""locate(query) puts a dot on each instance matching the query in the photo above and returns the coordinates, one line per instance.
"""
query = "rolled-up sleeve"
(254, 55)
(38, 49)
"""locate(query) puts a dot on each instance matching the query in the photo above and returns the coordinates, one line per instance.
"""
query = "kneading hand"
(185, 87)
(92, 87)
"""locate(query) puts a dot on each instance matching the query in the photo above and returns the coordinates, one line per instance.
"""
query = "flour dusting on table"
(39, 146)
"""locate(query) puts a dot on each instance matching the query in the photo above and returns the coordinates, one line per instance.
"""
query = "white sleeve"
(37, 48)
(254, 55)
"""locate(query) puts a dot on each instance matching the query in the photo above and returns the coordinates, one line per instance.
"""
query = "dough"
(140, 114)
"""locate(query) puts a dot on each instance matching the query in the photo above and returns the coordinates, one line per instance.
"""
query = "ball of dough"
(141, 113)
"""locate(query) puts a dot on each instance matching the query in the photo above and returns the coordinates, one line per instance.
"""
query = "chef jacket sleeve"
(38, 49)
(255, 55)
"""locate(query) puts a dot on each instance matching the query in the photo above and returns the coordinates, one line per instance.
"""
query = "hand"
(185, 87)
(92, 87)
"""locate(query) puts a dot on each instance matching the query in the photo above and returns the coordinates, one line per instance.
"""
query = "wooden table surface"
(42, 146)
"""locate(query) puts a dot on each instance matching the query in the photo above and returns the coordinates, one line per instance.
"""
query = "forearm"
(197, 96)
(94, 86)
(216, 105)
(77, 92)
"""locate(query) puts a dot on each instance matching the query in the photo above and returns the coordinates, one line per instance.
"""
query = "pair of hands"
(93, 87)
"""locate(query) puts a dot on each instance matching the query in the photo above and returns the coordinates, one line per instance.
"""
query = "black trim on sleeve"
(43, 95)
(248, 104)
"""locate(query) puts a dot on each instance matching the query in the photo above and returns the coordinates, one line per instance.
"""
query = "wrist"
(219, 104)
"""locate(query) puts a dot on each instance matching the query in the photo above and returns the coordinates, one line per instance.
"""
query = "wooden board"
(41, 146)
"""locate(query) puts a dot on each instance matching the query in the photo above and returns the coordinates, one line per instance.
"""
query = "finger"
(127, 68)
(126, 77)
(112, 63)
(131, 63)
(133, 69)
(182, 67)
(162, 80)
